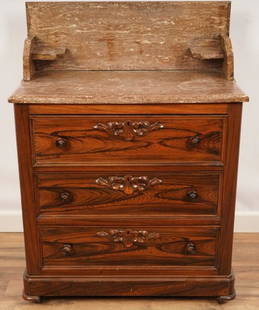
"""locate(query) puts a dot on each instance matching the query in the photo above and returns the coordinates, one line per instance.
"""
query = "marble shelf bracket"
(219, 48)
(206, 49)
(228, 65)
(34, 51)
(28, 64)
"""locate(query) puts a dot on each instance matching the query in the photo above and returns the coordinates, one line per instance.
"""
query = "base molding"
(213, 286)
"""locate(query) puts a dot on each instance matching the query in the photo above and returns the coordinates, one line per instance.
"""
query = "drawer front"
(130, 246)
(129, 194)
(129, 139)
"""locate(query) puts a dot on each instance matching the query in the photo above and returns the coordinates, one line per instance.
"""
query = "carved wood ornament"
(129, 237)
(128, 184)
(128, 130)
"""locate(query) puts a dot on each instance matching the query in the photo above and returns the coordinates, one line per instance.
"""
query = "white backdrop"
(245, 38)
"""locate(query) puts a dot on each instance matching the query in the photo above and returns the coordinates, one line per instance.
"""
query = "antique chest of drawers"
(128, 123)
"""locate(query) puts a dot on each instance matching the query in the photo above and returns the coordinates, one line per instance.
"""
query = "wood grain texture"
(177, 194)
(245, 264)
(91, 247)
(83, 224)
(230, 182)
(128, 35)
(182, 139)
(27, 192)
(128, 109)
(176, 286)
(127, 87)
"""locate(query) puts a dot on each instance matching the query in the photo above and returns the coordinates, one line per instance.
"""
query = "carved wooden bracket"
(128, 184)
(128, 130)
(129, 237)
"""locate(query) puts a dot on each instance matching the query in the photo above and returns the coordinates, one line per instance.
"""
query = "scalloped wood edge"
(228, 65)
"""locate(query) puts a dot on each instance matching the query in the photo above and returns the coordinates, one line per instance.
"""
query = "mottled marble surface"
(122, 87)
(126, 35)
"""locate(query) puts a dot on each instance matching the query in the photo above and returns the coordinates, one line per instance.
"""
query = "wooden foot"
(224, 299)
(34, 299)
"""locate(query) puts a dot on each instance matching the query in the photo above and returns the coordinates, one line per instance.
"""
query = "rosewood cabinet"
(128, 124)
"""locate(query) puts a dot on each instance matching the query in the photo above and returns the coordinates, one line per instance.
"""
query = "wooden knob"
(65, 196)
(190, 248)
(61, 142)
(195, 140)
(67, 249)
(192, 195)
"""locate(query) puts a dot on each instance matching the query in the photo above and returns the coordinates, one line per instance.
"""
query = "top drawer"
(79, 140)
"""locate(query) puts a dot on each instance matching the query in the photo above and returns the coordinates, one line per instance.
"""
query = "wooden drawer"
(138, 193)
(128, 246)
(85, 140)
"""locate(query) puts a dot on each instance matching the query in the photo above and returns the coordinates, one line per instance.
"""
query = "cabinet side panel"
(26, 184)
(229, 188)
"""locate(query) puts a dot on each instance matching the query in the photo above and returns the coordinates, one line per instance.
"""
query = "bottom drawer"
(130, 246)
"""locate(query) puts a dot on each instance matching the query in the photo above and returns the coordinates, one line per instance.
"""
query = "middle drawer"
(139, 193)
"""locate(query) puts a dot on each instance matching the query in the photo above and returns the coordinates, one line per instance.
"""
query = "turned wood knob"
(65, 196)
(195, 140)
(61, 142)
(67, 249)
(192, 194)
(190, 248)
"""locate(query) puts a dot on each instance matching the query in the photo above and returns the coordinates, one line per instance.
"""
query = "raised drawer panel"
(127, 139)
(131, 246)
(132, 194)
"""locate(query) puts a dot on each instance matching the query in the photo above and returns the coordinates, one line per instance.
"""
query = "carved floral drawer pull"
(129, 237)
(128, 184)
(128, 130)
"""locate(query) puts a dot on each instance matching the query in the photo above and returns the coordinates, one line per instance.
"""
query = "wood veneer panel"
(118, 247)
(173, 194)
(153, 286)
(229, 195)
(27, 191)
(135, 139)
(49, 109)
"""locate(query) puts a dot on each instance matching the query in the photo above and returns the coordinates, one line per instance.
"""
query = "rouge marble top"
(127, 87)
